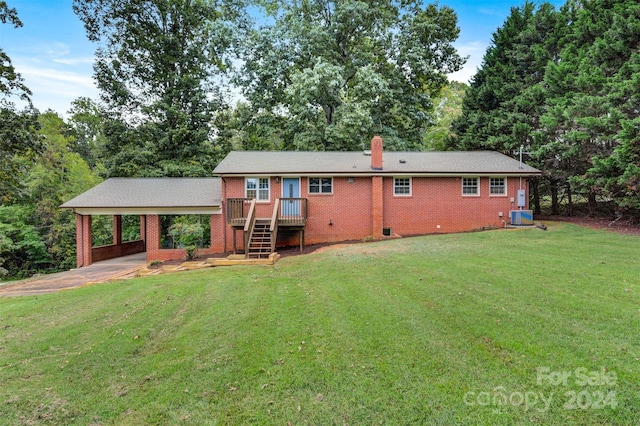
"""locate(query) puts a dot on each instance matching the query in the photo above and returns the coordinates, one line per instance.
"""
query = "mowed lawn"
(497, 327)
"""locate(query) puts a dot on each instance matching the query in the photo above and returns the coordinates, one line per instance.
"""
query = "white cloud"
(490, 11)
(55, 88)
(475, 51)
(74, 61)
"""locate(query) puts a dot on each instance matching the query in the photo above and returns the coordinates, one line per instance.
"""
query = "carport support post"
(143, 229)
(84, 240)
(117, 229)
(153, 236)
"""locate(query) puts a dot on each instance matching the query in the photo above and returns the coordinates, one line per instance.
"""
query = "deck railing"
(293, 211)
(273, 228)
(249, 223)
(238, 210)
(289, 211)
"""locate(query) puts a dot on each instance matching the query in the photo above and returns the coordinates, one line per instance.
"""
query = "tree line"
(564, 85)
(182, 82)
(312, 74)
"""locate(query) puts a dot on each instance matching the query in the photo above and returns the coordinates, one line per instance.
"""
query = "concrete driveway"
(107, 270)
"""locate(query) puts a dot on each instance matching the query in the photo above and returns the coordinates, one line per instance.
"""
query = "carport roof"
(150, 196)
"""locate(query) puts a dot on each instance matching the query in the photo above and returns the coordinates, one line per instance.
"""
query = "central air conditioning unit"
(521, 217)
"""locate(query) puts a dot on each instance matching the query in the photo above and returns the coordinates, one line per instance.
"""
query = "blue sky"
(55, 58)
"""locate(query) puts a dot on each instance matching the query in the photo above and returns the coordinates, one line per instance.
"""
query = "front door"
(291, 194)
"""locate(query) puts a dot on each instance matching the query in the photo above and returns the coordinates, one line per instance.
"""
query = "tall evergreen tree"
(502, 108)
(564, 84)
(589, 91)
(614, 170)
(497, 108)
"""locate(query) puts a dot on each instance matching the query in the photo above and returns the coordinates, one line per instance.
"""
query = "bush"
(188, 236)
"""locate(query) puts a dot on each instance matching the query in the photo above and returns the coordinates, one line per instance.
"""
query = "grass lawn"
(497, 327)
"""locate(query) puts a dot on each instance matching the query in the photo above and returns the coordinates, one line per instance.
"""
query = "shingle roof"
(430, 162)
(150, 192)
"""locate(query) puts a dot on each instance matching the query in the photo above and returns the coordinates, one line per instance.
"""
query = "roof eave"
(384, 172)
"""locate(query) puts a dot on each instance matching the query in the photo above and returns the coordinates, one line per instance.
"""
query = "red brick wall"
(376, 153)
(154, 252)
(217, 225)
(348, 210)
(377, 206)
(436, 205)
(343, 215)
(352, 212)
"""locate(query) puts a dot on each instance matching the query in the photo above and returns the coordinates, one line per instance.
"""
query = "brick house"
(264, 199)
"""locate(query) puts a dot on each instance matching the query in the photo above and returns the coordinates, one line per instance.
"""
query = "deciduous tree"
(339, 71)
(17, 127)
(154, 67)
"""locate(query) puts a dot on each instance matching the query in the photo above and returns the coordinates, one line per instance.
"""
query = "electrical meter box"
(522, 198)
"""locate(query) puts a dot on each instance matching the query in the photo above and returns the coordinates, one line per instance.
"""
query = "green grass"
(396, 332)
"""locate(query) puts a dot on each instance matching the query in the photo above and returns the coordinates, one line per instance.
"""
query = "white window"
(498, 186)
(257, 188)
(470, 186)
(320, 185)
(401, 186)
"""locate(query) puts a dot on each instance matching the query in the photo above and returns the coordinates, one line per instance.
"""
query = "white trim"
(477, 178)
(410, 186)
(258, 199)
(389, 174)
(506, 190)
(147, 210)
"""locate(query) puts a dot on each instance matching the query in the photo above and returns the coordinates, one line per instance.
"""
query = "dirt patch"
(282, 251)
(621, 227)
(314, 248)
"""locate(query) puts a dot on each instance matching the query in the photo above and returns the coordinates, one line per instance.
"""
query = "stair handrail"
(249, 224)
(273, 228)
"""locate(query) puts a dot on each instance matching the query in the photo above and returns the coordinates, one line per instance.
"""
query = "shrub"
(188, 236)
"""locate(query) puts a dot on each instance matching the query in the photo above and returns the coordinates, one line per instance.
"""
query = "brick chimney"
(376, 153)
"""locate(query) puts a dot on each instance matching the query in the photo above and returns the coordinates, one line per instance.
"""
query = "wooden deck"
(287, 223)
(260, 234)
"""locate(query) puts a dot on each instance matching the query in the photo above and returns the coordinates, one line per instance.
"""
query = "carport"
(148, 198)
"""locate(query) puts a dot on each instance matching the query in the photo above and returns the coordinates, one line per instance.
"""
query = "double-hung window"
(257, 188)
(470, 186)
(402, 186)
(320, 185)
(497, 186)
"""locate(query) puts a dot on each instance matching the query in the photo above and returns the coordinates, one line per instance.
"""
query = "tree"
(564, 84)
(35, 234)
(58, 175)
(154, 67)
(87, 124)
(448, 107)
(17, 128)
(503, 107)
(336, 72)
(11, 83)
(592, 97)
(22, 250)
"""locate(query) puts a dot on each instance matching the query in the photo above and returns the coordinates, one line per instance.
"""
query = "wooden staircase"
(260, 234)
(260, 241)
